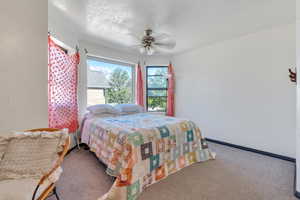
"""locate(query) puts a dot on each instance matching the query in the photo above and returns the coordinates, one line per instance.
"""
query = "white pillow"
(100, 115)
(102, 108)
(129, 113)
(129, 108)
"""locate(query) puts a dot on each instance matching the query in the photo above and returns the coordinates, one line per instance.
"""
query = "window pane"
(157, 104)
(95, 96)
(157, 82)
(157, 71)
(161, 93)
(114, 80)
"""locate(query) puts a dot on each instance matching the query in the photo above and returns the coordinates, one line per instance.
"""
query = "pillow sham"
(129, 108)
(129, 113)
(100, 115)
(102, 108)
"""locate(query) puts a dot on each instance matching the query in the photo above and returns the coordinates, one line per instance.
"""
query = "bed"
(142, 149)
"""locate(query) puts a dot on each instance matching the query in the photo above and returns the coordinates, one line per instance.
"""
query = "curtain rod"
(52, 35)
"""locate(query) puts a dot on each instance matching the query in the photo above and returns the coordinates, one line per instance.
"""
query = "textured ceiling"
(192, 22)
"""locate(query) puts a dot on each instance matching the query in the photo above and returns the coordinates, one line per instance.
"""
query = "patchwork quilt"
(142, 149)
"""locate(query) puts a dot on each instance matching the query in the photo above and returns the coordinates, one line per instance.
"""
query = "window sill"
(157, 113)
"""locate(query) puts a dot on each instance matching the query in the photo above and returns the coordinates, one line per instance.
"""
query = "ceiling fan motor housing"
(148, 39)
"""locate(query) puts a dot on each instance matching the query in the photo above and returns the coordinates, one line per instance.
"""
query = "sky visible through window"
(109, 82)
(107, 68)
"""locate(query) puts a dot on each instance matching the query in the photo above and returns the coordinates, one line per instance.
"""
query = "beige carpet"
(234, 175)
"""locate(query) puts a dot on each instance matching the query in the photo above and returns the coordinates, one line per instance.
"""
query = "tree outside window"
(109, 82)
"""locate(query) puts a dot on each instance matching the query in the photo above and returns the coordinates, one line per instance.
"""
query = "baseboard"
(82, 145)
(286, 158)
(297, 194)
(70, 150)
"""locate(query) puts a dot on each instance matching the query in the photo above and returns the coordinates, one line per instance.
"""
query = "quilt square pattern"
(112, 139)
(186, 148)
(172, 142)
(136, 139)
(160, 173)
(176, 152)
(167, 156)
(133, 191)
(146, 150)
(190, 136)
(154, 162)
(191, 157)
(147, 180)
(160, 146)
(164, 131)
(125, 178)
(141, 149)
(181, 161)
(171, 164)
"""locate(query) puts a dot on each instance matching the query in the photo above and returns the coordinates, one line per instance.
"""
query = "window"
(157, 87)
(109, 82)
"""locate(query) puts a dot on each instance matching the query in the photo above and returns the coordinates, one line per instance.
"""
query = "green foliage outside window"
(120, 90)
(157, 103)
(157, 89)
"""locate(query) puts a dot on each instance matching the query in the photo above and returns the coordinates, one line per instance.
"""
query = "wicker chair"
(30, 163)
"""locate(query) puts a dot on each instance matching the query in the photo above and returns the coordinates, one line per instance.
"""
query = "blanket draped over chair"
(29, 159)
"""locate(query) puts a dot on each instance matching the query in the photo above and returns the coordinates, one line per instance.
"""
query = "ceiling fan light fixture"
(142, 50)
(150, 50)
(148, 43)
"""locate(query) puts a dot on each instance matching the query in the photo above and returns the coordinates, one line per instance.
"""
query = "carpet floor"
(234, 175)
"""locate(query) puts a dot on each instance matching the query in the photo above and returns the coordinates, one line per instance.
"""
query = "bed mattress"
(142, 149)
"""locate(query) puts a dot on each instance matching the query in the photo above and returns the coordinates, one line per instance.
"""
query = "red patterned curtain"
(139, 87)
(171, 86)
(62, 88)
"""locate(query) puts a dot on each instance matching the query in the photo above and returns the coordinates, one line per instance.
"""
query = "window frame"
(147, 88)
(117, 62)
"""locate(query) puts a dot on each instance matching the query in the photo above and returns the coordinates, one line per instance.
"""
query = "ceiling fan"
(154, 42)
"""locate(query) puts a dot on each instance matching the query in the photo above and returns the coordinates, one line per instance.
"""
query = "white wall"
(162, 60)
(238, 91)
(23, 65)
(61, 27)
(298, 93)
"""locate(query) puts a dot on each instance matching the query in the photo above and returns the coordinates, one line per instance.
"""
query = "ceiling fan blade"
(156, 48)
(160, 49)
(135, 37)
(160, 36)
(137, 46)
(167, 45)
